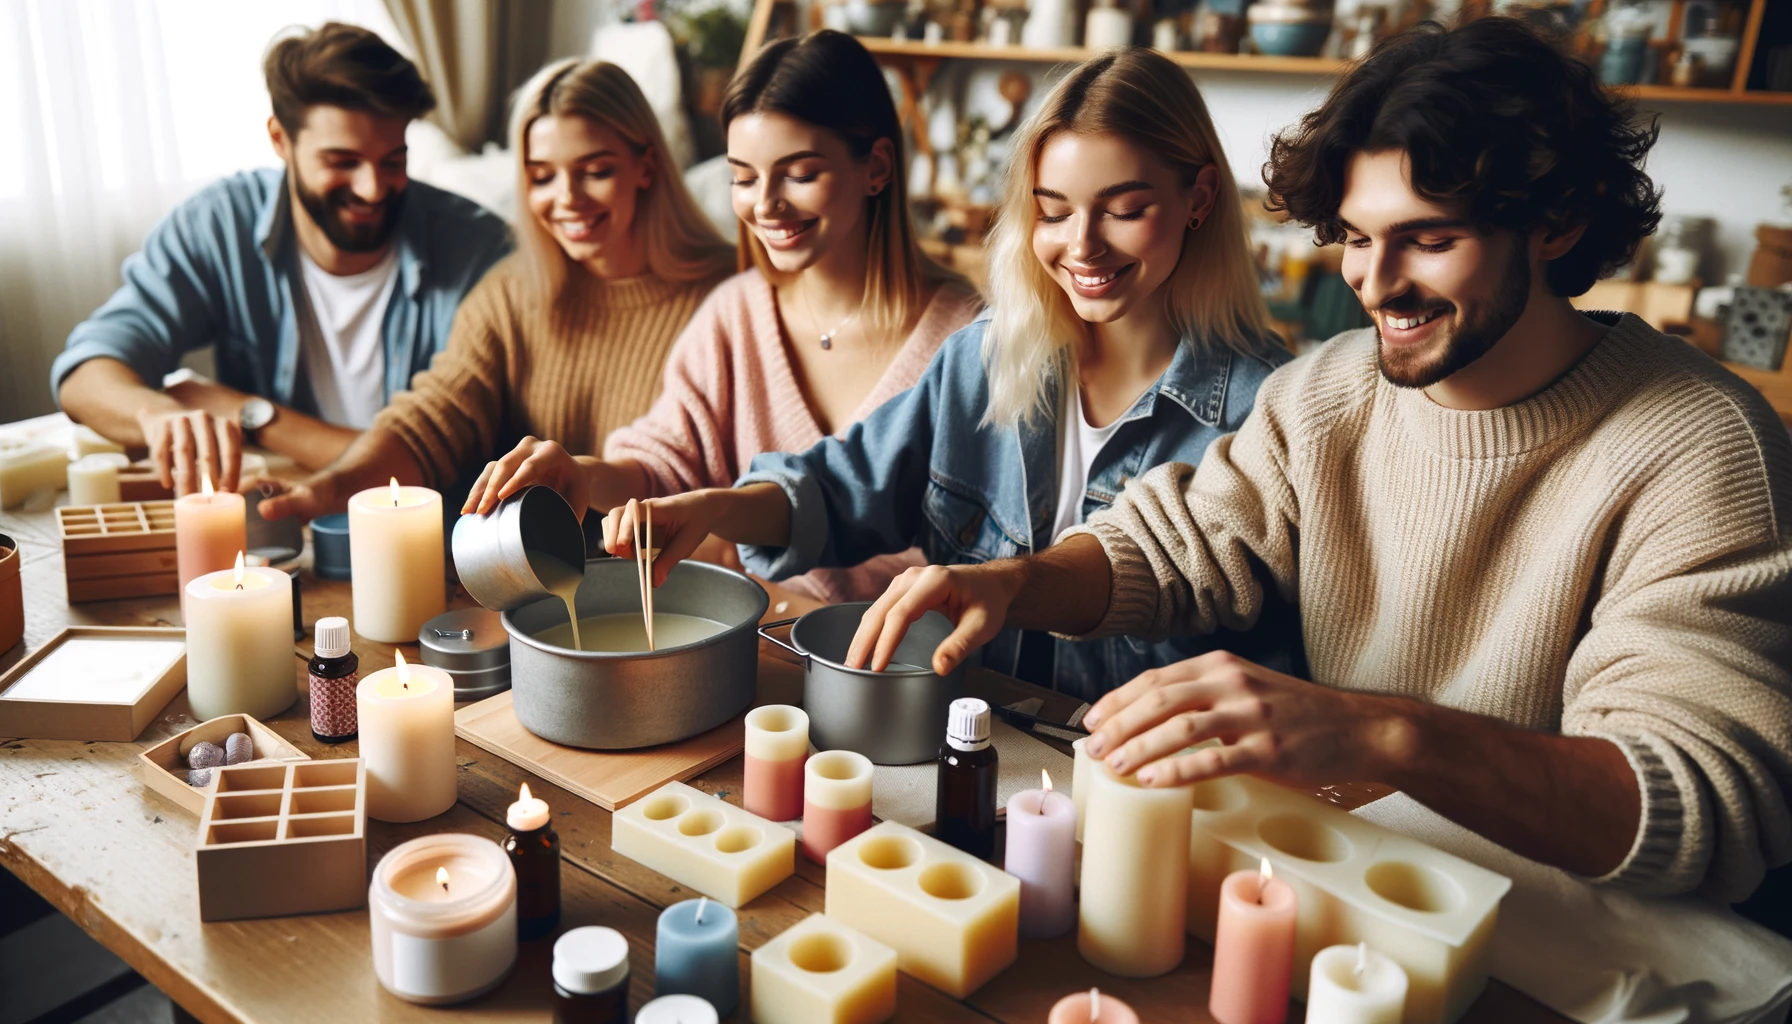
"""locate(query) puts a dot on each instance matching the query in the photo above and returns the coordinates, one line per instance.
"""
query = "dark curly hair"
(1492, 116)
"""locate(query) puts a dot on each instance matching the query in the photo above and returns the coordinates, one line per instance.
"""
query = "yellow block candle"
(406, 719)
(395, 556)
(239, 643)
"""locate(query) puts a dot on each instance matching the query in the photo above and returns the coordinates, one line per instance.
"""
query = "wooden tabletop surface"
(79, 828)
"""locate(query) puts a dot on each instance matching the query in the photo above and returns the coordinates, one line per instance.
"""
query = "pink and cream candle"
(443, 913)
(836, 801)
(777, 746)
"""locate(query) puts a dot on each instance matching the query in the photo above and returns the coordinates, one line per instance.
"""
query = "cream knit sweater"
(1611, 557)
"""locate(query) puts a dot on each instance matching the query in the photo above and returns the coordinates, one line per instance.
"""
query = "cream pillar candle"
(239, 643)
(93, 479)
(1135, 874)
(209, 530)
(395, 561)
(836, 801)
(443, 913)
(1079, 786)
(777, 745)
(27, 467)
(1355, 985)
(406, 718)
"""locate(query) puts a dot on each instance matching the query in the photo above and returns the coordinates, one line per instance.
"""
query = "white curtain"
(111, 112)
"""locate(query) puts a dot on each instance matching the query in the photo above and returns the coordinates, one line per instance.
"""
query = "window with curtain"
(111, 112)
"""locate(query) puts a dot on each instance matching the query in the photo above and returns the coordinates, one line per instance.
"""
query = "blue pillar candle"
(697, 953)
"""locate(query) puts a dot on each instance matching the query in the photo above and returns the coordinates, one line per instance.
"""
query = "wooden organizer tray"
(163, 767)
(283, 838)
(141, 482)
(63, 702)
(123, 550)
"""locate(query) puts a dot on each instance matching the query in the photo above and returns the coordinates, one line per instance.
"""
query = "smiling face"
(347, 169)
(1111, 221)
(585, 188)
(798, 188)
(1441, 291)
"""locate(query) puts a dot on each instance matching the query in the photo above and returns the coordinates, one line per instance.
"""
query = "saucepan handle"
(765, 632)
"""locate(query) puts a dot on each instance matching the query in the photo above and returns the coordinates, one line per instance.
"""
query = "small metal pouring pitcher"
(501, 557)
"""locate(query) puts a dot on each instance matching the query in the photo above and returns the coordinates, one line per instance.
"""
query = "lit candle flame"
(1265, 874)
(205, 483)
(1045, 780)
(404, 671)
(394, 492)
(1362, 958)
(522, 796)
(1094, 1005)
(442, 878)
(239, 570)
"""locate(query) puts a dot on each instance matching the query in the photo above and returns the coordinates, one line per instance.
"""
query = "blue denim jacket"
(220, 270)
(920, 470)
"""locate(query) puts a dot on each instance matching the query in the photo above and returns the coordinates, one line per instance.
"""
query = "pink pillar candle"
(1091, 1007)
(209, 530)
(777, 746)
(1041, 853)
(836, 801)
(1253, 949)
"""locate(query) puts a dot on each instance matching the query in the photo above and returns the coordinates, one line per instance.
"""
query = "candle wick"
(702, 904)
(239, 586)
(1094, 1005)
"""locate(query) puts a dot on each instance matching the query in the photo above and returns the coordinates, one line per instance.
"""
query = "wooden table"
(78, 827)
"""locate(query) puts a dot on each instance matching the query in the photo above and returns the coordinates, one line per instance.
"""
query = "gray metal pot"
(614, 701)
(498, 555)
(897, 716)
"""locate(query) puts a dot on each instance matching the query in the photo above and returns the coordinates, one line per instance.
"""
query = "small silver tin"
(471, 645)
(496, 555)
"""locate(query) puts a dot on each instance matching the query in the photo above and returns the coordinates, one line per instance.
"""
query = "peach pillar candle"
(777, 745)
(1355, 985)
(836, 801)
(1091, 1007)
(1134, 909)
(239, 643)
(209, 530)
(1041, 852)
(395, 561)
(1253, 949)
(406, 718)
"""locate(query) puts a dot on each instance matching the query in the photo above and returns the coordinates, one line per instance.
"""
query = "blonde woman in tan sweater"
(568, 337)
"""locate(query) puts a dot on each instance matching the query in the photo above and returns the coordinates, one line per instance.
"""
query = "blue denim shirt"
(921, 470)
(222, 270)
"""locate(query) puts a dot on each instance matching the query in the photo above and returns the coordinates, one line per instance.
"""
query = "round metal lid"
(465, 639)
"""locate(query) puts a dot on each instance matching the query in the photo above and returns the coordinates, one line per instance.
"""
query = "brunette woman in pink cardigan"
(839, 313)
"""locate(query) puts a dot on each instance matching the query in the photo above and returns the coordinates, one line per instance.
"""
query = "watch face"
(257, 413)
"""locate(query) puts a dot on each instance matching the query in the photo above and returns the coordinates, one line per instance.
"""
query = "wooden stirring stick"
(650, 553)
(640, 564)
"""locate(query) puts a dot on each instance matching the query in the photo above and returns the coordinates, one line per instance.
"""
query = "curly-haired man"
(1543, 558)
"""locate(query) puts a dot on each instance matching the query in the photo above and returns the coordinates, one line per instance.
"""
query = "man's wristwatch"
(255, 414)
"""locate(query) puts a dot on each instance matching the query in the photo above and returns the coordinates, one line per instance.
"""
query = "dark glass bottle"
(964, 810)
(535, 854)
(334, 671)
(591, 977)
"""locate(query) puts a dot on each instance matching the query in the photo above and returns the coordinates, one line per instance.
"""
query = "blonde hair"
(830, 80)
(681, 242)
(1139, 95)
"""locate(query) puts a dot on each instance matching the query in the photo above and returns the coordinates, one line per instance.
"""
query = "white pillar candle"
(1135, 874)
(1079, 784)
(239, 643)
(443, 913)
(1355, 985)
(93, 479)
(406, 718)
(395, 561)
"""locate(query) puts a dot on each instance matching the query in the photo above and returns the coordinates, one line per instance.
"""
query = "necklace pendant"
(827, 342)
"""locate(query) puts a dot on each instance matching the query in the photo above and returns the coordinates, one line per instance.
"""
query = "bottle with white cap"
(334, 670)
(964, 810)
(591, 977)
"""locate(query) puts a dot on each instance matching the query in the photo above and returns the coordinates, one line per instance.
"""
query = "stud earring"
(1193, 223)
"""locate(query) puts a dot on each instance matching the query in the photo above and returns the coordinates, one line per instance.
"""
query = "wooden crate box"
(284, 838)
(123, 550)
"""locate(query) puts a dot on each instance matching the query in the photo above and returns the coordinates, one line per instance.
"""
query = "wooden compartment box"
(163, 767)
(283, 838)
(94, 683)
(124, 550)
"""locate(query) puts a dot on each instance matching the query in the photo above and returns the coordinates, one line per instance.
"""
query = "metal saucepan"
(897, 716)
(606, 700)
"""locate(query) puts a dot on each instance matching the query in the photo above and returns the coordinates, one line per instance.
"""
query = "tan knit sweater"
(515, 367)
(1611, 557)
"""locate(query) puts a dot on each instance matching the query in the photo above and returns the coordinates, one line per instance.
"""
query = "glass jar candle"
(443, 911)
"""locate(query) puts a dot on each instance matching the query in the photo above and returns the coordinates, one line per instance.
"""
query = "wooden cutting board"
(615, 779)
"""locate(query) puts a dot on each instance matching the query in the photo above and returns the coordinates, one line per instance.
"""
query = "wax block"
(822, 972)
(953, 920)
(1430, 912)
(704, 843)
(27, 467)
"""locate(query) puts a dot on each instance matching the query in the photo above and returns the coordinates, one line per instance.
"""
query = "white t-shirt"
(1078, 445)
(340, 338)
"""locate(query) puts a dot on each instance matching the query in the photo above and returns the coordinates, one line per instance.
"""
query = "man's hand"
(306, 499)
(186, 444)
(975, 597)
(1269, 724)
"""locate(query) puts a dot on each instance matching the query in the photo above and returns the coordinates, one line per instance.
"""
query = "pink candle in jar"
(836, 801)
(1253, 949)
(1091, 1007)
(1041, 852)
(777, 745)
(209, 530)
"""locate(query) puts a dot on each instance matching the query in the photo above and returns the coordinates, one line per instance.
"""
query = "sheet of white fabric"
(1606, 957)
